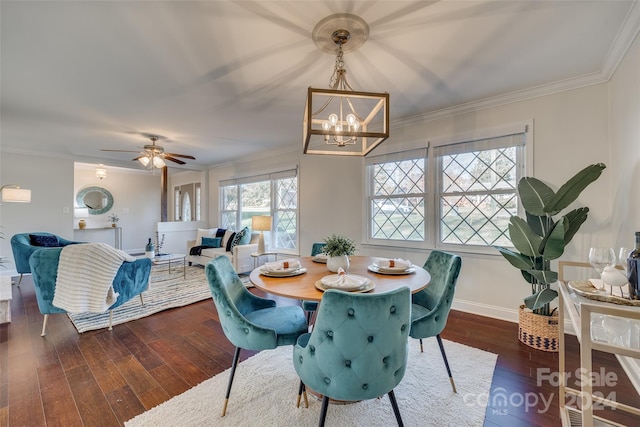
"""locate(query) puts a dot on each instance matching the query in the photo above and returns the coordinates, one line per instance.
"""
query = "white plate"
(321, 260)
(364, 288)
(391, 271)
(284, 273)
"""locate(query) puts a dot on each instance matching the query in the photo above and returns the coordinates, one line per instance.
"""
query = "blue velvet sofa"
(131, 280)
(22, 247)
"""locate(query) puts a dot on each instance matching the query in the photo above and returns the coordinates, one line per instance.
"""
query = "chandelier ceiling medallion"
(339, 120)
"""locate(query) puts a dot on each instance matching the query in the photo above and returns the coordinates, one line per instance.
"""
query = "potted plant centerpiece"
(539, 238)
(338, 249)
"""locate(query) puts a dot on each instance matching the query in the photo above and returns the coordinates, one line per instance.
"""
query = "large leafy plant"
(539, 238)
(336, 245)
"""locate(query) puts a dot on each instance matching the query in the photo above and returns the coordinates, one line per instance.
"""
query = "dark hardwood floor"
(103, 378)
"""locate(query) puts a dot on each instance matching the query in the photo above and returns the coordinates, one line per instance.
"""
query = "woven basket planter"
(539, 332)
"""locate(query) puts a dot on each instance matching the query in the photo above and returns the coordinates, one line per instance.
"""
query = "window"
(448, 195)
(397, 199)
(274, 194)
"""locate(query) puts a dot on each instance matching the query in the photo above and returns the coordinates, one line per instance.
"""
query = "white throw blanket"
(85, 277)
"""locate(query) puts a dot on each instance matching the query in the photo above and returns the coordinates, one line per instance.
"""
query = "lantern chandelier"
(339, 120)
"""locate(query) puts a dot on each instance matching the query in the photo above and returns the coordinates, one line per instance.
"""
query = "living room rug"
(165, 291)
(266, 386)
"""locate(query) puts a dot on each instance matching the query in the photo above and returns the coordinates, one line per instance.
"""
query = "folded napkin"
(343, 280)
(396, 263)
(284, 265)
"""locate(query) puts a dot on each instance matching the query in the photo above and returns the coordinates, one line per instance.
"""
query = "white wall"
(136, 201)
(51, 207)
(625, 147)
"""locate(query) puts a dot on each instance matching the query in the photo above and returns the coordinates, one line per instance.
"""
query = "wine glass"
(622, 258)
(599, 258)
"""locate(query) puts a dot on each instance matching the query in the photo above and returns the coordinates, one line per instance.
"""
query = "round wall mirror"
(99, 200)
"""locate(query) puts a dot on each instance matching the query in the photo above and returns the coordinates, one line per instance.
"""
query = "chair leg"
(236, 356)
(20, 280)
(302, 390)
(111, 320)
(421, 349)
(446, 363)
(396, 410)
(141, 299)
(323, 410)
(44, 325)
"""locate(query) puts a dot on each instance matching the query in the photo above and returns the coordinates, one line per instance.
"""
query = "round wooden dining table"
(303, 286)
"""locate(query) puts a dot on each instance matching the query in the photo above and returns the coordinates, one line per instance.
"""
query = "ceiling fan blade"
(123, 151)
(139, 157)
(180, 162)
(180, 155)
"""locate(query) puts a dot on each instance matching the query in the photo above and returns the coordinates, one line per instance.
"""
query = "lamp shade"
(16, 194)
(81, 212)
(261, 223)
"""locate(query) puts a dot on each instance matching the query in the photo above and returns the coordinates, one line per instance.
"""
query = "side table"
(256, 257)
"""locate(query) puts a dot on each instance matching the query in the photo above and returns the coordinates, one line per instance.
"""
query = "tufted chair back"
(317, 248)
(431, 305)
(358, 347)
(22, 249)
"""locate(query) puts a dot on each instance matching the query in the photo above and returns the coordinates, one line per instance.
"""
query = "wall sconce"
(14, 194)
(261, 223)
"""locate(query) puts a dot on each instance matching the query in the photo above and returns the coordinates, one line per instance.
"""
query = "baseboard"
(495, 312)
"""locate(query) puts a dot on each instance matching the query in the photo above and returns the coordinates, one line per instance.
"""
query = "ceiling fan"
(154, 155)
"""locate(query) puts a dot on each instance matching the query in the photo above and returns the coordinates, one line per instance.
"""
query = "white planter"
(335, 262)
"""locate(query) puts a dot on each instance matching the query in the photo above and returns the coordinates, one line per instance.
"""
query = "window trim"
(271, 177)
(432, 210)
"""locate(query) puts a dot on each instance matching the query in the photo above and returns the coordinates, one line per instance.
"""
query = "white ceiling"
(223, 79)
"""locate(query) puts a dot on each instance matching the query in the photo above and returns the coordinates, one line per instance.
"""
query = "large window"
(448, 195)
(274, 194)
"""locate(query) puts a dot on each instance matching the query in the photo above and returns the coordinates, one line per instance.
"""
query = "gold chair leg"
(141, 299)
(111, 320)
(453, 385)
(19, 280)
(224, 407)
(44, 325)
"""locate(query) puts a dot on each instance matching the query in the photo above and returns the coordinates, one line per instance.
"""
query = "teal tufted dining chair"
(358, 347)
(311, 306)
(431, 306)
(248, 321)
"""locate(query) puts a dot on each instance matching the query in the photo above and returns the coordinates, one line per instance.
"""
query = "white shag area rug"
(165, 291)
(266, 385)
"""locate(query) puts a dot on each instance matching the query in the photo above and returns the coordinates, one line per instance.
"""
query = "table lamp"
(261, 223)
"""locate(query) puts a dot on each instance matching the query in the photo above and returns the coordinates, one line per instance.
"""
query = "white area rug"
(266, 385)
(165, 291)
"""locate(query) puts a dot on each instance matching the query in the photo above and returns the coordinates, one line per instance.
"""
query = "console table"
(86, 234)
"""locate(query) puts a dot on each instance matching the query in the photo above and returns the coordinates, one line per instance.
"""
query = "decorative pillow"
(240, 237)
(220, 232)
(212, 242)
(246, 238)
(205, 232)
(227, 240)
(44, 240)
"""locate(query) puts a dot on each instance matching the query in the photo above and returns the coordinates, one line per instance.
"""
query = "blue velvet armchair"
(358, 347)
(22, 249)
(431, 306)
(248, 321)
(131, 280)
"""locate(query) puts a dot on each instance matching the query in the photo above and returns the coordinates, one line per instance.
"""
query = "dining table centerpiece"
(338, 249)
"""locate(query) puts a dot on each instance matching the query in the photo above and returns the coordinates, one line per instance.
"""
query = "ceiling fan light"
(158, 162)
(144, 161)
